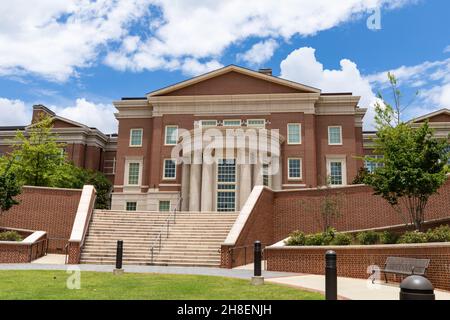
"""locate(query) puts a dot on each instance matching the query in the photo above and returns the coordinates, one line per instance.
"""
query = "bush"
(413, 237)
(439, 234)
(296, 238)
(342, 239)
(387, 237)
(10, 236)
(328, 236)
(315, 239)
(368, 237)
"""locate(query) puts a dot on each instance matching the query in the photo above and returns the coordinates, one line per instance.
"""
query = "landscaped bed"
(332, 237)
(44, 285)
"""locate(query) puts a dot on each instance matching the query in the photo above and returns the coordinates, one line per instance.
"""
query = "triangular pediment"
(233, 80)
(442, 115)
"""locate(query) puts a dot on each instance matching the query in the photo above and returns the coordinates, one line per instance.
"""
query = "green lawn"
(99, 285)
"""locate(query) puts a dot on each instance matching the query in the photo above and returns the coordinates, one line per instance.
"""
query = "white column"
(277, 176)
(185, 181)
(207, 187)
(195, 181)
(257, 173)
(245, 177)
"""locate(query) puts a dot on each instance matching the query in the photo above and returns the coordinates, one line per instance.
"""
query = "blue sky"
(77, 57)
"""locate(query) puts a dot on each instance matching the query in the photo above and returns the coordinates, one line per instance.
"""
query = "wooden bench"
(404, 266)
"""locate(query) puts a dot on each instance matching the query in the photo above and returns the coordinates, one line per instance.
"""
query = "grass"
(48, 285)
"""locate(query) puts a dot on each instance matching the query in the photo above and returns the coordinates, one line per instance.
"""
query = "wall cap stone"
(366, 247)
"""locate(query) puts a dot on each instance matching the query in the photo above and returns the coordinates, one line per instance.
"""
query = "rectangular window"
(372, 165)
(136, 137)
(336, 177)
(131, 206)
(208, 123)
(133, 173)
(294, 133)
(226, 185)
(171, 135)
(232, 123)
(335, 135)
(294, 168)
(164, 205)
(266, 175)
(256, 123)
(170, 169)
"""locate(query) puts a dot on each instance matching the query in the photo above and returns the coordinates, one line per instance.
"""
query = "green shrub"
(368, 237)
(296, 238)
(342, 239)
(439, 234)
(387, 237)
(413, 237)
(10, 236)
(328, 236)
(315, 239)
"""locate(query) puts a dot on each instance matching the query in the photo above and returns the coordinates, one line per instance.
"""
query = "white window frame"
(329, 136)
(255, 125)
(127, 172)
(164, 170)
(159, 205)
(207, 126)
(165, 135)
(131, 145)
(289, 167)
(227, 125)
(234, 183)
(300, 133)
(343, 161)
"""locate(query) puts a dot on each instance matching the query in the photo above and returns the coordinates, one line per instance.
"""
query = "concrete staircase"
(194, 240)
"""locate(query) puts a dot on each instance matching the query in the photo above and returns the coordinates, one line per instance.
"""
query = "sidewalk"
(349, 288)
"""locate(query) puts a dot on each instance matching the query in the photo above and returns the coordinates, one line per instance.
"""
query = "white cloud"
(55, 39)
(447, 49)
(302, 66)
(14, 113)
(100, 116)
(259, 53)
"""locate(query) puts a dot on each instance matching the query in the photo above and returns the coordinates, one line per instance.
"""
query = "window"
(170, 169)
(335, 135)
(266, 175)
(232, 123)
(372, 165)
(136, 137)
(208, 123)
(164, 205)
(133, 173)
(226, 185)
(294, 168)
(131, 206)
(171, 135)
(256, 123)
(336, 171)
(294, 133)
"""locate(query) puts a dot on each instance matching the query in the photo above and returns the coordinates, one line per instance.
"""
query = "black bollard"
(416, 288)
(119, 254)
(257, 259)
(330, 275)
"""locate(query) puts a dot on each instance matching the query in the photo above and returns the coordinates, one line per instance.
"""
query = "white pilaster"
(245, 177)
(195, 181)
(278, 174)
(185, 184)
(207, 187)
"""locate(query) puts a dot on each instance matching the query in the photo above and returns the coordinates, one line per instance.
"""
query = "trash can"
(416, 288)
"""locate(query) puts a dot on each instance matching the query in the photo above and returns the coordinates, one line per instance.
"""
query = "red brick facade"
(45, 209)
(354, 261)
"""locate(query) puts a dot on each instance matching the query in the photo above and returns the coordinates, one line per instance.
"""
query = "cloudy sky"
(77, 56)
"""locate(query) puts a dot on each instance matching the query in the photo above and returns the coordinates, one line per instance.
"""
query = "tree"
(413, 163)
(37, 154)
(9, 189)
(329, 206)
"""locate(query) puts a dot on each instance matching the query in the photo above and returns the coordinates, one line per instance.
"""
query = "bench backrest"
(407, 265)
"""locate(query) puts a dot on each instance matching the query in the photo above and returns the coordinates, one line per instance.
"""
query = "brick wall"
(20, 252)
(46, 209)
(354, 261)
(359, 208)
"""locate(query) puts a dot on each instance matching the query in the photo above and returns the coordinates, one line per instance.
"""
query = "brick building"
(86, 147)
(312, 136)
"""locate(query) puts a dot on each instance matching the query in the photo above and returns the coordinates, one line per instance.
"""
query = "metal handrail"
(165, 227)
(233, 249)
